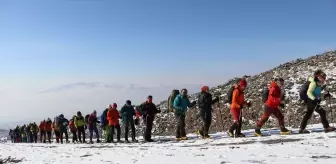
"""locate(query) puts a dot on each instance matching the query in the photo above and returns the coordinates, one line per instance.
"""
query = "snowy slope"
(310, 148)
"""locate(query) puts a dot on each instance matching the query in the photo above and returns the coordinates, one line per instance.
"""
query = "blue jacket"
(181, 105)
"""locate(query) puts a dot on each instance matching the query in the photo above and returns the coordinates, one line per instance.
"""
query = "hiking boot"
(126, 141)
(150, 140)
(240, 135)
(206, 137)
(200, 133)
(91, 142)
(230, 133)
(184, 138)
(178, 139)
(284, 131)
(303, 131)
(134, 140)
(258, 133)
(98, 141)
(330, 129)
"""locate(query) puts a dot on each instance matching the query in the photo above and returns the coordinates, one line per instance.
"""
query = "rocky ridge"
(295, 74)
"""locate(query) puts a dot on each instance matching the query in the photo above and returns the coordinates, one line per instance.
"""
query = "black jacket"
(148, 109)
(205, 102)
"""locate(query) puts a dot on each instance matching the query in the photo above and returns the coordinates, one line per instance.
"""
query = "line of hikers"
(178, 102)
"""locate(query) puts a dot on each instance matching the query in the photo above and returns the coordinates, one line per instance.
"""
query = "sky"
(64, 56)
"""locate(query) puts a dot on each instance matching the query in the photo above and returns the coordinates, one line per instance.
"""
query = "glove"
(136, 121)
(85, 127)
(216, 99)
(317, 100)
(327, 95)
(159, 111)
(193, 103)
(282, 105)
(248, 104)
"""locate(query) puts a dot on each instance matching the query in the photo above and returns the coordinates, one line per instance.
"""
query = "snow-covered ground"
(317, 147)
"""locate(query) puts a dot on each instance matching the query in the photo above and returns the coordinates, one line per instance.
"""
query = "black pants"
(42, 136)
(65, 132)
(180, 128)
(311, 107)
(148, 121)
(49, 136)
(112, 132)
(74, 136)
(58, 135)
(206, 119)
(129, 122)
(34, 137)
(91, 130)
(81, 131)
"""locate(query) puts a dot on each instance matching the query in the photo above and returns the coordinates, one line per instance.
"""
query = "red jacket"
(274, 96)
(42, 126)
(113, 117)
(72, 126)
(48, 126)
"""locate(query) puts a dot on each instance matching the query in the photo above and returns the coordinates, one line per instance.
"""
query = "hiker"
(56, 130)
(23, 134)
(42, 131)
(11, 134)
(80, 125)
(92, 121)
(127, 112)
(113, 121)
(237, 104)
(104, 124)
(313, 100)
(29, 133)
(148, 110)
(181, 104)
(48, 129)
(34, 131)
(272, 104)
(63, 125)
(205, 104)
(73, 129)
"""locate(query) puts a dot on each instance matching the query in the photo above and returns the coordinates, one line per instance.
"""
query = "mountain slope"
(295, 74)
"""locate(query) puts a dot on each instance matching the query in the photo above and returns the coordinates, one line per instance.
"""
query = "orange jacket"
(238, 99)
(42, 126)
(113, 117)
(48, 127)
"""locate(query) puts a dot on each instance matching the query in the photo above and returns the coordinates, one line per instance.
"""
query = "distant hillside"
(295, 74)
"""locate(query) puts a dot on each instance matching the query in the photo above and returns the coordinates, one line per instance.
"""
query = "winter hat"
(79, 113)
(114, 105)
(128, 102)
(205, 88)
(94, 112)
(243, 82)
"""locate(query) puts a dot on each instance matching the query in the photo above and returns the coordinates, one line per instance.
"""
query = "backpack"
(265, 95)
(171, 99)
(303, 91)
(57, 121)
(86, 119)
(230, 94)
(103, 116)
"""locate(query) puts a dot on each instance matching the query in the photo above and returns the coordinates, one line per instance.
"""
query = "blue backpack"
(103, 119)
